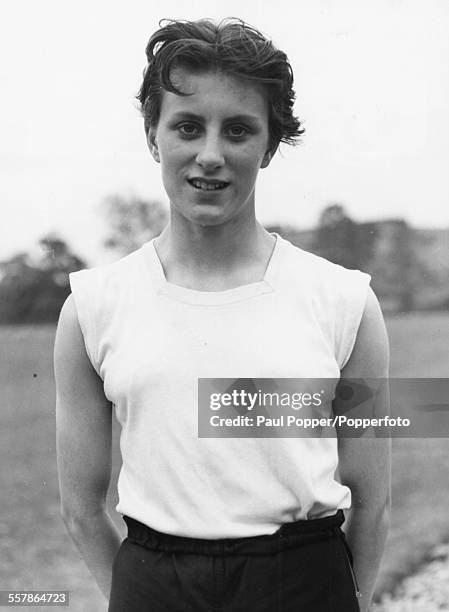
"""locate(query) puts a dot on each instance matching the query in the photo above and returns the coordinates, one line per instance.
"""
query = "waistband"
(289, 535)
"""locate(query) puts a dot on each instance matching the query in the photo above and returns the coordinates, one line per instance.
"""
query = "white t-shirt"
(150, 341)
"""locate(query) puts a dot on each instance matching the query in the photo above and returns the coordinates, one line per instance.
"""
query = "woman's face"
(211, 145)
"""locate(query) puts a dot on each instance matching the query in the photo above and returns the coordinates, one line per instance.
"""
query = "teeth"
(207, 186)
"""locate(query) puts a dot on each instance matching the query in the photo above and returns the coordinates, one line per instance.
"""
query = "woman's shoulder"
(124, 264)
(104, 283)
(96, 293)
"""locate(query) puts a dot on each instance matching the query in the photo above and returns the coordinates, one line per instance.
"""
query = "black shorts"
(306, 566)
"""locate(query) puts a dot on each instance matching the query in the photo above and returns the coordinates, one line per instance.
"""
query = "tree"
(344, 241)
(399, 269)
(34, 291)
(132, 222)
(337, 236)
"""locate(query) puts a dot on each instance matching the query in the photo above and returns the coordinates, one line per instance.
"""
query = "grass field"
(36, 553)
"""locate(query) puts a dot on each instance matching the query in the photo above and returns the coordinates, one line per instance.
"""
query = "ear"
(152, 144)
(267, 158)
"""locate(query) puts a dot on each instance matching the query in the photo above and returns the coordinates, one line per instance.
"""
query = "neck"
(214, 258)
(213, 249)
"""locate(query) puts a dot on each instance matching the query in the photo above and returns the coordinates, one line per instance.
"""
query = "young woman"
(238, 524)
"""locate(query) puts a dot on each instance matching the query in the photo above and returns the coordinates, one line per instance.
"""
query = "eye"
(188, 129)
(237, 131)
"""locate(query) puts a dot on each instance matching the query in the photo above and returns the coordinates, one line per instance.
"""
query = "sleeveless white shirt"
(150, 341)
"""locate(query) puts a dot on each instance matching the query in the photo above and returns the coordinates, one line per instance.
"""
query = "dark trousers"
(306, 566)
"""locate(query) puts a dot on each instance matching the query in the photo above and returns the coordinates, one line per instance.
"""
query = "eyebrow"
(244, 118)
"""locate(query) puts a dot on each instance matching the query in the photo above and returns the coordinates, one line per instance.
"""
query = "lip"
(208, 181)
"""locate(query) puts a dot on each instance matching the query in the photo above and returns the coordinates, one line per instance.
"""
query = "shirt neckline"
(213, 298)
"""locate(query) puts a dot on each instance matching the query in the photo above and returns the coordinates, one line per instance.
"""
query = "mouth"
(208, 184)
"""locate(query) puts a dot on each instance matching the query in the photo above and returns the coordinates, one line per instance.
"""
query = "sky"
(372, 84)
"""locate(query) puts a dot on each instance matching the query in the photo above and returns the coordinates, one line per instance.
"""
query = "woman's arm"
(365, 463)
(83, 430)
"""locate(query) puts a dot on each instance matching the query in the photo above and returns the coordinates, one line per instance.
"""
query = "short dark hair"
(233, 47)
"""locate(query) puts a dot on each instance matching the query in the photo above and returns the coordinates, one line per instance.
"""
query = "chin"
(206, 220)
(206, 215)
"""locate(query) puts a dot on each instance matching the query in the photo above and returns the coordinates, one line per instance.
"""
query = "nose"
(210, 155)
